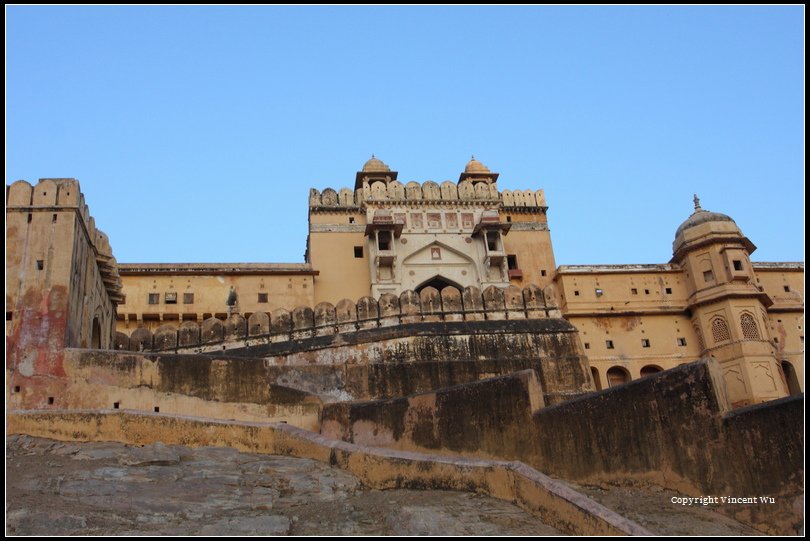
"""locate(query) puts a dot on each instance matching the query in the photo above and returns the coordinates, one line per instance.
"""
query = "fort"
(428, 340)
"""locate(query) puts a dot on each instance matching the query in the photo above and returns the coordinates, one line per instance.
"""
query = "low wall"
(558, 505)
(271, 380)
(673, 429)
(195, 385)
(485, 418)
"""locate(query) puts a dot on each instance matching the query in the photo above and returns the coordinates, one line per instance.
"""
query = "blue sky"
(197, 132)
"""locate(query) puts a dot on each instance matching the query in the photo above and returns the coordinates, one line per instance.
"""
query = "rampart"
(347, 316)
(429, 191)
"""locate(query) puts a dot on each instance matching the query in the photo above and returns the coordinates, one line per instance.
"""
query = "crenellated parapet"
(64, 194)
(429, 192)
(347, 316)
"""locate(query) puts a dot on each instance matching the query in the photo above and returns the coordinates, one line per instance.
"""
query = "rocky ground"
(62, 488)
(652, 508)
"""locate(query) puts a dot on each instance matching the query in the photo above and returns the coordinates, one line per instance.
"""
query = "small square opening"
(351, 219)
(263, 297)
(358, 252)
(737, 265)
(116, 405)
(542, 272)
(50, 401)
(645, 342)
(598, 292)
(668, 290)
(576, 293)
(681, 341)
(587, 345)
(40, 264)
(157, 409)
(609, 344)
(787, 289)
(16, 388)
(634, 291)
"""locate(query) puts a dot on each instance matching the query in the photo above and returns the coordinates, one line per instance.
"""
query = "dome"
(701, 216)
(474, 166)
(375, 165)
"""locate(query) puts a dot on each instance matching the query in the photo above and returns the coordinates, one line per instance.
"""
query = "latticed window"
(720, 330)
(749, 327)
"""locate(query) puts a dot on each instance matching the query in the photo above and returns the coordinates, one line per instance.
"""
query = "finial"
(472, 157)
(697, 203)
(373, 156)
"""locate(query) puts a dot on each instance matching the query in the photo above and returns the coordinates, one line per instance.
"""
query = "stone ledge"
(558, 505)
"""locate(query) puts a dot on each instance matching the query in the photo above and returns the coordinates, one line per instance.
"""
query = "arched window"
(650, 369)
(617, 375)
(749, 327)
(790, 378)
(95, 340)
(596, 379)
(720, 330)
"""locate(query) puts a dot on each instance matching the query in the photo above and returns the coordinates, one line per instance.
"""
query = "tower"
(727, 308)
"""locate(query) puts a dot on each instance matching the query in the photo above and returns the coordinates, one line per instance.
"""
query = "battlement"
(347, 316)
(59, 195)
(465, 192)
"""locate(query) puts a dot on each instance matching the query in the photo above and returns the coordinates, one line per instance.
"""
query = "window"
(188, 298)
(40, 264)
(598, 292)
(511, 262)
(645, 342)
(634, 291)
(749, 327)
(681, 341)
(351, 219)
(609, 344)
(262, 297)
(492, 241)
(737, 265)
(53, 219)
(384, 240)
(154, 298)
(646, 291)
(587, 345)
(787, 289)
(358, 252)
(171, 298)
(720, 330)
(576, 293)
(668, 291)
(509, 219)
(708, 276)
(543, 272)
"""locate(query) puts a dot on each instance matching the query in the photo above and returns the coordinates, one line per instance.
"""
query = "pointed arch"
(438, 282)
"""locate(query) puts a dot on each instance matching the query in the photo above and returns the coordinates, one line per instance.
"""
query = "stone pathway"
(58, 488)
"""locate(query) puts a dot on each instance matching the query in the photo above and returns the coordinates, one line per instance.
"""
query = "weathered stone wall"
(557, 504)
(62, 281)
(274, 379)
(672, 429)
(485, 418)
